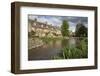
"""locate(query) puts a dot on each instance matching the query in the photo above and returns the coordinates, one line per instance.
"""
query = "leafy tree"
(64, 28)
(81, 30)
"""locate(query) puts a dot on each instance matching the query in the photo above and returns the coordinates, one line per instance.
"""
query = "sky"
(57, 20)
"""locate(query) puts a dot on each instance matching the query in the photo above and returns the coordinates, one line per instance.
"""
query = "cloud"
(72, 26)
(50, 19)
(32, 17)
(57, 20)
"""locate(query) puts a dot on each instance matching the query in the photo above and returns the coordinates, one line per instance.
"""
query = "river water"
(51, 49)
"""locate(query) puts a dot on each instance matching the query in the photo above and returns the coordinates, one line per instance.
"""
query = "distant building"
(43, 29)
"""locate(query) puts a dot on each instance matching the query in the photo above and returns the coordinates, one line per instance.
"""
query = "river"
(51, 49)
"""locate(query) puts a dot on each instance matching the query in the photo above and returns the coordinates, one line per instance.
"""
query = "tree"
(64, 28)
(81, 30)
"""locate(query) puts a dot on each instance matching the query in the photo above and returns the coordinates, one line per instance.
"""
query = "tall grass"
(80, 51)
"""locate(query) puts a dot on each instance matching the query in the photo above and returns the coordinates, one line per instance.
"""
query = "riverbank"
(40, 41)
(34, 43)
(80, 51)
(58, 48)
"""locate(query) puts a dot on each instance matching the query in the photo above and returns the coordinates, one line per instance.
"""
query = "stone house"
(43, 29)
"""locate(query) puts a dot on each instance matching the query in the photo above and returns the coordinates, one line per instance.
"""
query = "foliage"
(47, 40)
(81, 30)
(64, 28)
(31, 34)
(80, 51)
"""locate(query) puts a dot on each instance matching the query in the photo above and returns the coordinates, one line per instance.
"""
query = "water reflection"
(51, 48)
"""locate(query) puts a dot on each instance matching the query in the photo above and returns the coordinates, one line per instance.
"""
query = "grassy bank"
(80, 51)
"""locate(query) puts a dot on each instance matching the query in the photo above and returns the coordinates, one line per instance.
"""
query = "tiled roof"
(43, 25)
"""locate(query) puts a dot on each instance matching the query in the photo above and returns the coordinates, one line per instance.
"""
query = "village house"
(41, 29)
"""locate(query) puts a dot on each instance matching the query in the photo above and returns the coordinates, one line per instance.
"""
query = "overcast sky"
(57, 20)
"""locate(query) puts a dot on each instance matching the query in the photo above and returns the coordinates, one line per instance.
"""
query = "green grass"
(81, 51)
